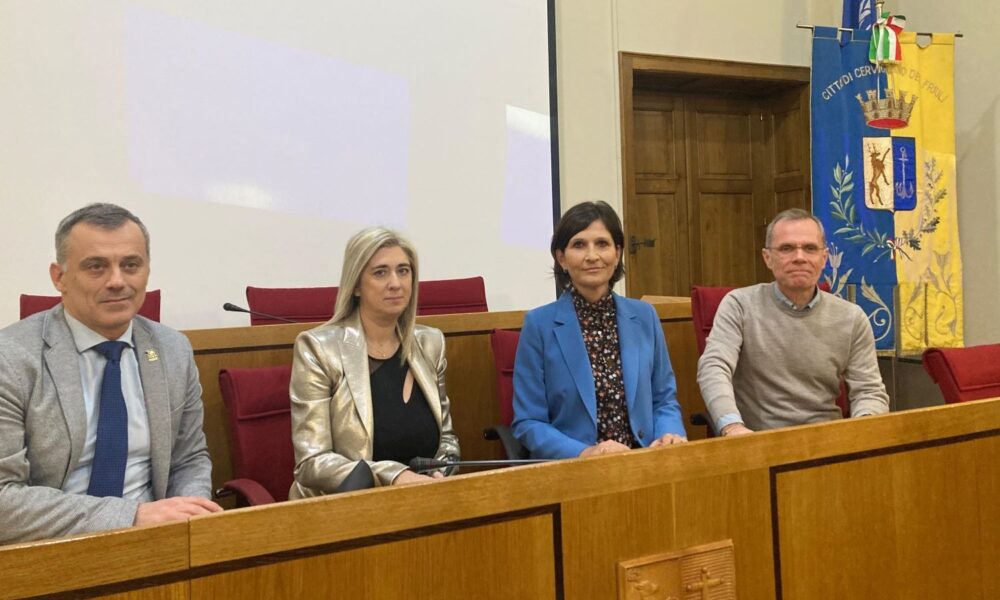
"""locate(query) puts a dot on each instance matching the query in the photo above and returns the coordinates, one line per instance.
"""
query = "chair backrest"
(260, 426)
(504, 344)
(35, 304)
(447, 296)
(315, 304)
(704, 304)
(305, 305)
(965, 374)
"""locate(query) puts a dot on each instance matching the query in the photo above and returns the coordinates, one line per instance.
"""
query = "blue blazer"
(555, 404)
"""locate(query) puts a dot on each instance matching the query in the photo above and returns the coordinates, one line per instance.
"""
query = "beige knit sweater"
(777, 367)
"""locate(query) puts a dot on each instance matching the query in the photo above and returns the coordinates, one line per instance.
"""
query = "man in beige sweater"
(777, 351)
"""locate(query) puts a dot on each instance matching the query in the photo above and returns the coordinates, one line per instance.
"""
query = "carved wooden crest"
(706, 572)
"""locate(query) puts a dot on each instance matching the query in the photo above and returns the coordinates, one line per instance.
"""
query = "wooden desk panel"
(733, 506)
(893, 506)
(171, 591)
(988, 480)
(98, 561)
(683, 350)
(909, 510)
(604, 530)
(509, 559)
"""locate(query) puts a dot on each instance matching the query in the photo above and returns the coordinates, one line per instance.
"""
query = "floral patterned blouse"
(599, 324)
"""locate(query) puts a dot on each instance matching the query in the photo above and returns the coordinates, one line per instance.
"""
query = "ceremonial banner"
(883, 167)
(858, 14)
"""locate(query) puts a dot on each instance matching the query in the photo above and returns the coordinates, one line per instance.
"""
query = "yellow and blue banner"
(883, 168)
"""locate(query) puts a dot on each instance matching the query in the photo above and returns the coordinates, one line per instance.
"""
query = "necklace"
(382, 350)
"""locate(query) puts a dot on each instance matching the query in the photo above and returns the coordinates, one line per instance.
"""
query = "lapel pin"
(152, 356)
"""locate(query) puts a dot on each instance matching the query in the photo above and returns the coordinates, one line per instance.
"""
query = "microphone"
(421, 464)
(230, 307)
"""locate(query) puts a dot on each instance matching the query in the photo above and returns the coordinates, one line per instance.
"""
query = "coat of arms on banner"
(890, 173)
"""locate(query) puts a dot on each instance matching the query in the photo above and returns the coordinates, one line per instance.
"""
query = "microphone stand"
(420, 464)
(230, 307)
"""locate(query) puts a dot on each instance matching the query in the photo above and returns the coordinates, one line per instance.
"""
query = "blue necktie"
(107, 475)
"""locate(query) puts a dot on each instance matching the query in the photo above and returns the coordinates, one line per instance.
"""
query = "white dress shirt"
(138, 473)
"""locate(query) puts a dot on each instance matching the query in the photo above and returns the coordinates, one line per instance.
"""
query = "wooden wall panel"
(660, 269)
(784, 200)
(96, 560)
(737, 507)
(724, 142)
(786, 141)
(472, 389)
(654, 147)
(512, 559)
(728, 253)
(180, 590)
(911, 530)
(987, 452)
(656, 212)
(601, 531)
(684, 359)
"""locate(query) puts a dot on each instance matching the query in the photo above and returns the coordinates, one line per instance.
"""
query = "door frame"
(696, 70)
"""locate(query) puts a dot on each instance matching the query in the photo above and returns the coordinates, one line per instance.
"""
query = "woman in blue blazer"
(592, 374)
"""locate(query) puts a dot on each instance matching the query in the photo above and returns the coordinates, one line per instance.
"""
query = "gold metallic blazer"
(332, 425)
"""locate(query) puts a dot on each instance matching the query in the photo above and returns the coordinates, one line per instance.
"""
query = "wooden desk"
(471, 377)
(893, 507)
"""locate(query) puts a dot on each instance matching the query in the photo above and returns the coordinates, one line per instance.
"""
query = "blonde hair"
(359, 251)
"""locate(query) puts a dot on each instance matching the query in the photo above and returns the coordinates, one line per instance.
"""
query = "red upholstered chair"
(305, 305)
(704, 304)
(34, 304)
(965, 374)
(447, 296)
(504, 344)
(260, 429)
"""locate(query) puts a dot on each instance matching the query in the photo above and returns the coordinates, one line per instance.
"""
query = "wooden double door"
(708, 163)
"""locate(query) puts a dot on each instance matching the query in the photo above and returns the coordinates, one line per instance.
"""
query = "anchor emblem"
(903, 189)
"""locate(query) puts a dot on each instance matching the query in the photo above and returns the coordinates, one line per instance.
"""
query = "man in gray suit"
(100, 409)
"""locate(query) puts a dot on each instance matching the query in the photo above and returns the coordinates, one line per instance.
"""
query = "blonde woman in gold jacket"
(371, 343)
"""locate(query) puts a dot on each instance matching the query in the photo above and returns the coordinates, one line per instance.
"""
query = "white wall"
(591, 33)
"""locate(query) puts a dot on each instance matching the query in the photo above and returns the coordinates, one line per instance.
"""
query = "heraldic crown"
(891, 112)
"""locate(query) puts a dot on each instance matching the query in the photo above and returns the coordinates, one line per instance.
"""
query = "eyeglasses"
(788, 250)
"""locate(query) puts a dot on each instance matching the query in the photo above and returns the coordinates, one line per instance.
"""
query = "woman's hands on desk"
(668, 439)
(612, 447)
(408, 476)
(605, 447)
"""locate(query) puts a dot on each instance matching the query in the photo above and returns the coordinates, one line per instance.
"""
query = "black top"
(403, 430)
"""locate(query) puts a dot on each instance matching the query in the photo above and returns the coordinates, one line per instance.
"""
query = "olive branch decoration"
(928, 220)
(853, 230)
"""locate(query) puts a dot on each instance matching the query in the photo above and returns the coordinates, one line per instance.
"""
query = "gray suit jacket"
(43, 426)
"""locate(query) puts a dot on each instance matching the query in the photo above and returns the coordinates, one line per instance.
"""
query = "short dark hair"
(792, 214)
(103, 215)
(575, 220)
